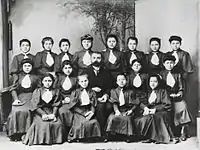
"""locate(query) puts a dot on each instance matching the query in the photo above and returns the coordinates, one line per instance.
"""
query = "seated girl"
(153, 122)
(46, 127)
(19, 120)
(83, 103)
(124, 103)
(66, 83)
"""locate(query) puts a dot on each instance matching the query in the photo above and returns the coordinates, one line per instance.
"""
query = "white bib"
(155, 59)
(47, 96)
(85, 99)
(176, 56)
(170, 80)
(49, 59)
(25, 56)
(152, 97)
(65, 57)
(26, 82)
(87, 59)
(67, 84)
(112, 58)
(137, 82)
(121, 98)
(133, 57)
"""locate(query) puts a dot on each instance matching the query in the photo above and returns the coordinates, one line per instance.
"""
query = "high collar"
(46, 51)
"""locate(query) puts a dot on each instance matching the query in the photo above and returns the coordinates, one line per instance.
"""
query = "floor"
(190, 144)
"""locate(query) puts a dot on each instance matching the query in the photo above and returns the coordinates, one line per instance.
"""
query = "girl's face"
(153, 82)
(48, 45)
(136, 67)
(64, 47)
(47, 82)
(27, 67)
(121, 81)
(67, 70)
(83, 81)
(132, 45)
(154, 46)
(168, 64)
(25, 47)
(175, 45)
(111, 42)
(87, 44)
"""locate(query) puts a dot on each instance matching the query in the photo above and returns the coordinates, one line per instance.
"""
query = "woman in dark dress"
(19, 120)
(66, 83)
(124, 102)
(153, 123)
(46, 127)
(83, 103)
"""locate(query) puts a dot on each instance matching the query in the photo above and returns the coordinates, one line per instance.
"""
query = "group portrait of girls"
(99, 95)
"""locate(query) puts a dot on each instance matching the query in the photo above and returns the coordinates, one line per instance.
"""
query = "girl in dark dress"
(173, 82)
(19, 119)
(25, 46)
(154, 58)
(132, 53)
(64, 46)
(46, 127)
(113, 58)
(83, 103)
(66, 83)
(45, 60)
(124, 102)
(153, 122)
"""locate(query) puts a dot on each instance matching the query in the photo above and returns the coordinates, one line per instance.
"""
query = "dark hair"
(136, 60)
(175, 38)
(169, 57)
(87, 37)
(64, 40)
(47, 39)
(132, 38)
(155, 39)
(66, 62)
(157, 76)
(83, 73)
(24, 40)
(121, 74)
(26, 60)
(111, 36)
(48, 75)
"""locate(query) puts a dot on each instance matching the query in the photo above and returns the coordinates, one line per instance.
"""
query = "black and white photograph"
(99, 74)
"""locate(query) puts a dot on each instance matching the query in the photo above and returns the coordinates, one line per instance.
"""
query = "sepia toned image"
(99, 74)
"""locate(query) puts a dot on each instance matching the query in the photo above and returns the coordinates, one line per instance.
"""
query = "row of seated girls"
(104, 95)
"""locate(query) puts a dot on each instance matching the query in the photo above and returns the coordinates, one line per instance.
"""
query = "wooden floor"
(190, 144)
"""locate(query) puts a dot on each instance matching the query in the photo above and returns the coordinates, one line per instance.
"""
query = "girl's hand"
(66, 100)
(51, 116)
(146, 111)
(152, 111)
(89, 115)
(129, 112)
(96, 89)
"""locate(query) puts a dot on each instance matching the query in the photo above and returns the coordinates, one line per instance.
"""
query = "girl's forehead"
(47, 41)
(111, 38)
(47, 78)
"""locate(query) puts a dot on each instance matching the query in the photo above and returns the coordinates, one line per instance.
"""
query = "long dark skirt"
(83, 129)
(120, 125)
(19, 119)
(44, 132)
(66, 115)
(181, 113)
(155, 127)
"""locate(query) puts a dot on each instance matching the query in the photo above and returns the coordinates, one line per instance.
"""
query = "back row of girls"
(105, 101)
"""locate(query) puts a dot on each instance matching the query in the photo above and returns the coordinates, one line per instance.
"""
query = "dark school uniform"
(59, 60)
(79, 62)
(155, 127)
(184, 65)
(41, 64)
(44, 132)
(66, 87)
(122, 124)
(16, 64)
(181, 115)
(81, 127)
(154, 67)
(19, 119)
(139, 56)
(115, 66)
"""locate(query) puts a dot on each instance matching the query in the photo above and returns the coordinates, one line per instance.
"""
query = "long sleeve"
(14, 66)
(187, 65)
